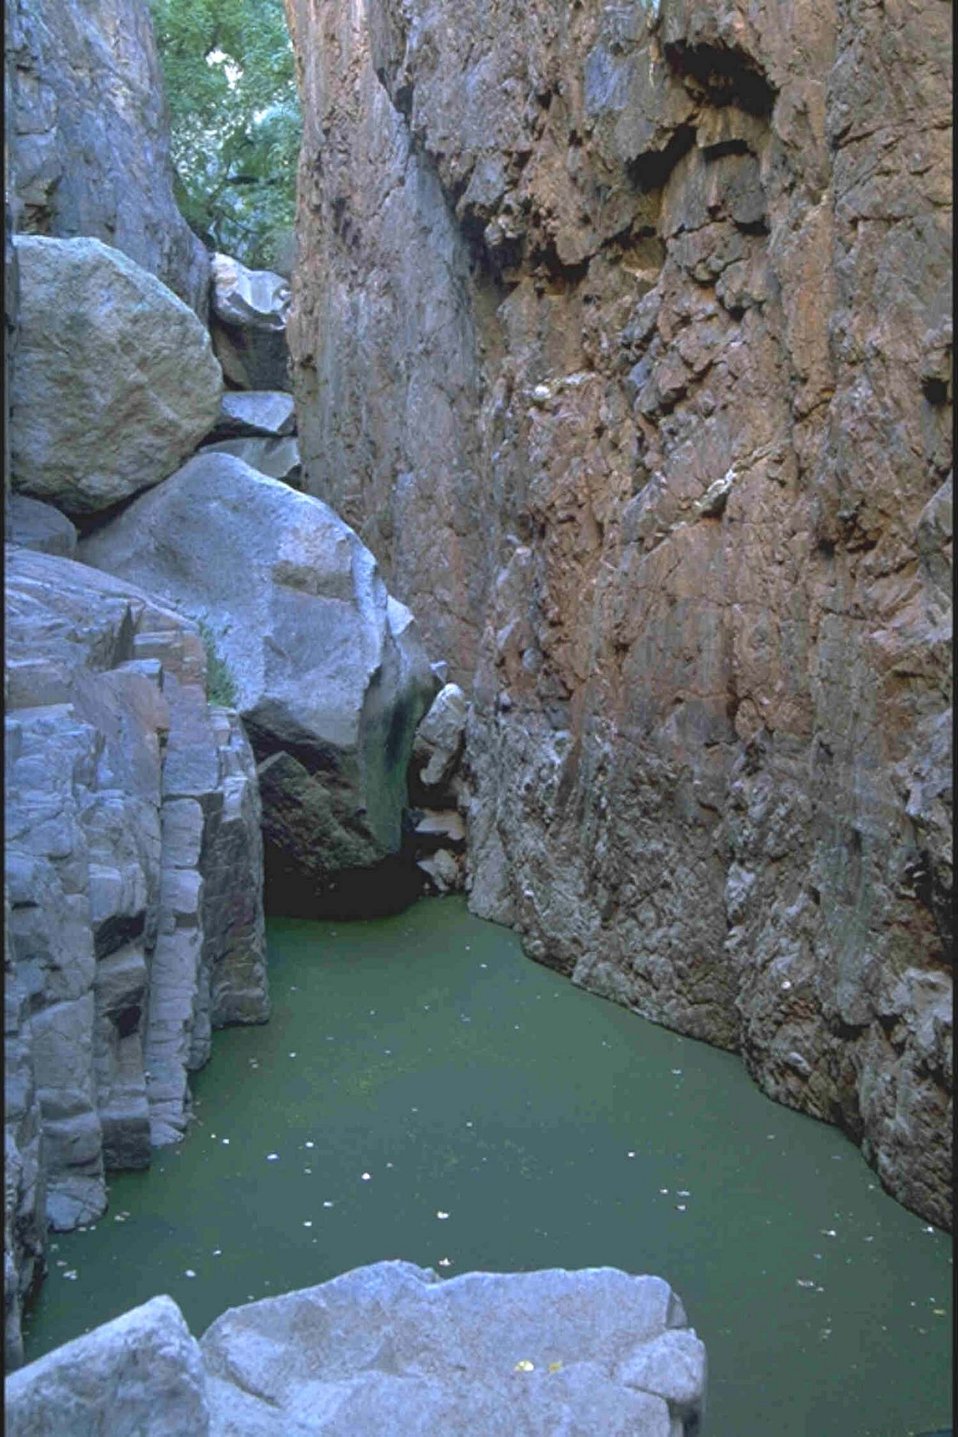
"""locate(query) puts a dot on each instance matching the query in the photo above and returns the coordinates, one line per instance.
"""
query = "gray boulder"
(330, 675)
(134, 878)
(391, 1348)
(248, 324)
(114, 381)
(439, 743)
(278, 458)
(39, 526)
(140, 1375)
(255, 411)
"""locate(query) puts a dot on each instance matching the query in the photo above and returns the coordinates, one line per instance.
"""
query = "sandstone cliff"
(620, 335)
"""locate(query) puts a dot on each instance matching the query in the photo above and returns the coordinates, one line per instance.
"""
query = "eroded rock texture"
(89, 144)
(134, 877)
(620, 336)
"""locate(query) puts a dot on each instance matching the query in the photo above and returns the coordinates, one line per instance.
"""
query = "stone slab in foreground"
(392, 1348)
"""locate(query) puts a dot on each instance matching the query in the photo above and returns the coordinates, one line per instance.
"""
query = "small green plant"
(220, 686)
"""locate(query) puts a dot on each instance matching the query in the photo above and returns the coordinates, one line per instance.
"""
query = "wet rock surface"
(113, 381)
(330, 675)
(134, 880)
(621, 338)
(88, 145)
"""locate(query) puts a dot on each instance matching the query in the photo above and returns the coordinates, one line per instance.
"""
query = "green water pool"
(424, 1091)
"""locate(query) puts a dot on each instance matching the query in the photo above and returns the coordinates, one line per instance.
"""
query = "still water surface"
(424, 1091)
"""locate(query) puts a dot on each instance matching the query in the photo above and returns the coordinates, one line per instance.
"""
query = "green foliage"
(235, 121)
(220, 687)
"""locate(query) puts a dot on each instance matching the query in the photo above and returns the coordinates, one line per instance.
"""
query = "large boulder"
(391, 1348)
(248, 324)
(140, 1375)
(34, 525)
(250, 412)
(134, 876)
(89, 143)
(114, 380)
(329, 673)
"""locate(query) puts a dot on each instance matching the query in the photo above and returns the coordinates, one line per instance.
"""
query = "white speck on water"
(680, 1207)
(630, 1155)
(119, 1218)
(929, 1229)
(468, 949)
(366, 1177)
(308, 1223)
(805, 1281)
(226, 1141)
(212, 1135)
(389, 1165)
(445, 1262)
(61, 1262)
(869, 1239)
(442, 1216)
(217, 1252)
(309, 1143)
(414, 1110)
(328, 1204)
(468, 1125)
(189, 1272)
(292, 1055)
(71, 1273)
(483, 965)
(664, 1191)
(682, 1192)
(676, 1072)
(308, 1170)
(272, 1157)
(828, 1232)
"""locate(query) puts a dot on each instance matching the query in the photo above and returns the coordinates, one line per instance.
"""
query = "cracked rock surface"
(134, 882)
(621, 337)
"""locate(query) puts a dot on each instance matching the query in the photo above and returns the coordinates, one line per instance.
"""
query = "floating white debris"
(524, 1365)
(828, 1232)
(308, 1223)
(442, 1216)
(310, 1143)
(217, 1252)
(389, 1165)
(71, 1273)
(927, 1229)
(189, 1272)
(680, 1207)
(226, 1141)
(805, 1281)
(119, 1217)
(308, 1170)
(445, 1262)
(366, 1177)
(272, 1157)
(483, 965)
(327, 1204)
(292, 1055)
(664, 1191)
(682, 1192)
(630, 1155)
(676, 1072)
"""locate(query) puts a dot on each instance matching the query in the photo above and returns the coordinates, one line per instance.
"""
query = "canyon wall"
(88, 145)
(620, 336)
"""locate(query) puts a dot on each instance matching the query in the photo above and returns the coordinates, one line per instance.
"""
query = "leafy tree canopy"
(235, 121)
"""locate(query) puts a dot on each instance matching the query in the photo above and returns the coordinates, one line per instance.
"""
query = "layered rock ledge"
(134, 880)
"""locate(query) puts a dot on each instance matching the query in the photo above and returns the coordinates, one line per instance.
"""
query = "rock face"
(39, 526)
(88, 142)
(248, 323)
(114, 381)
(621, 336)
(392, 1348)
(388, 1348)
(140, 1375)
(329, 672)
(134, 877)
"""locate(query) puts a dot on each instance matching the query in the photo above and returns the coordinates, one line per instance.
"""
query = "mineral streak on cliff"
(620, 337)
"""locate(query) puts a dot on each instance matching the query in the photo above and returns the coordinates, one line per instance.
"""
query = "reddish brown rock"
(622, 340)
